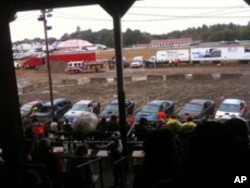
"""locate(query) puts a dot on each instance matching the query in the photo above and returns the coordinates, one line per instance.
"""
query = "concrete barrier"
(41, 84)
(98, 80)
(202, 76)
(70, 81)
(175, 76)
(126, 78)
(230, 76)
(154, 77)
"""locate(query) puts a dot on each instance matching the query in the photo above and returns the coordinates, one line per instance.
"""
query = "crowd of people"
(209, 153)
(176, 154)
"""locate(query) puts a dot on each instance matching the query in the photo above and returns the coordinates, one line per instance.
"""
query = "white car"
(230, 108)
(137, 62)
(81, 106)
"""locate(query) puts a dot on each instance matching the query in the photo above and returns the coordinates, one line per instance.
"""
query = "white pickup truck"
(137, 62)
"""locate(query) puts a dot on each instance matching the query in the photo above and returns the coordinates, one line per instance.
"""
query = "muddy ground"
(139, 88)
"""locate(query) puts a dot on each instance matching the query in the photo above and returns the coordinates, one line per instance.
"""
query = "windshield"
(44, 109)
(80, 107)
(26, 107)
(193, 107)
(112, 107)
(150, 108)
(229, 107)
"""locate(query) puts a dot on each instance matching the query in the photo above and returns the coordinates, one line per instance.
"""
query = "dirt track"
(139, 89)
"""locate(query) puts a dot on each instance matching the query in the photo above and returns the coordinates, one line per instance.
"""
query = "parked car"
(124, 61)
(137, 62)
(31, 107)
(197, 109)
(151, 109)
(61, 106)
(230, 107)
(113, 108)
(80, 106)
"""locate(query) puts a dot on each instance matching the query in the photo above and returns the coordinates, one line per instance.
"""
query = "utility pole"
(46, 13)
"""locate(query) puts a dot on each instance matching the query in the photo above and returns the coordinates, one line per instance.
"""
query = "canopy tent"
(74, 43)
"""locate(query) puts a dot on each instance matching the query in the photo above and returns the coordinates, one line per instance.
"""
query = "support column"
(11, 132)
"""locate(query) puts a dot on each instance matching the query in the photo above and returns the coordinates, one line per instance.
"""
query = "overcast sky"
(152, 16)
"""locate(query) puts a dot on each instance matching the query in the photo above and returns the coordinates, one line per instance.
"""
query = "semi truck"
(167, 57)
(197, 55)
(220, 54)
(37, 60)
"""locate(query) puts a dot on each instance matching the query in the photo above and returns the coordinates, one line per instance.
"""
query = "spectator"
(161, 161)
(174, 124)
(211, 157)
(116, 154)
(188, 126)
(37, 127)
(161, 115)
(67, 129)
(142, 129)
(80, 176)
(102, 125)
(243, 108)
(28, 133)
(44, 155)
(239, 128)
(161, 124)
(29, 148)
(54, 125)
(112, 124)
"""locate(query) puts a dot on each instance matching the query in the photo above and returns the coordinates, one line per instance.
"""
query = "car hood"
(40, 114)
(148, 116)
(24, 113)
(191, 113)
(72, 113)
(220, 114)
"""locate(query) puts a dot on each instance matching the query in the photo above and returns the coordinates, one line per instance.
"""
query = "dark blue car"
(61, 106)
(151, 109)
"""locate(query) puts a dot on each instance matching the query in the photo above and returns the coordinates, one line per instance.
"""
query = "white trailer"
(170, 55)
(217, 54)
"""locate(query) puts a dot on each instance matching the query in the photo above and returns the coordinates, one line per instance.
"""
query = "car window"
(165, 105)
(80, 107)
(193, 107)
(229, 107)
(44, 109)
(112, 107)
(150, 108)
(60, 105)
(127, 103)
(26, 107)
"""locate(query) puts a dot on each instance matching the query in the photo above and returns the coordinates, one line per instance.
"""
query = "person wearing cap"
(161, 115)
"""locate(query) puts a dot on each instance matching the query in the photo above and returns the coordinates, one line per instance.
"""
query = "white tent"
(74, 43)
(24, 47)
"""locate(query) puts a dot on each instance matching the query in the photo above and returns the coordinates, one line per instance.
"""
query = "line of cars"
(196, 108)
(63, 108)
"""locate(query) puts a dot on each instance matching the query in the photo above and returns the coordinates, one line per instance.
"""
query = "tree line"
(218, 32)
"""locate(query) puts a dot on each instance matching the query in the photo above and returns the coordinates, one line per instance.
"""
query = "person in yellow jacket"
(174, 124)
(188, 126)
